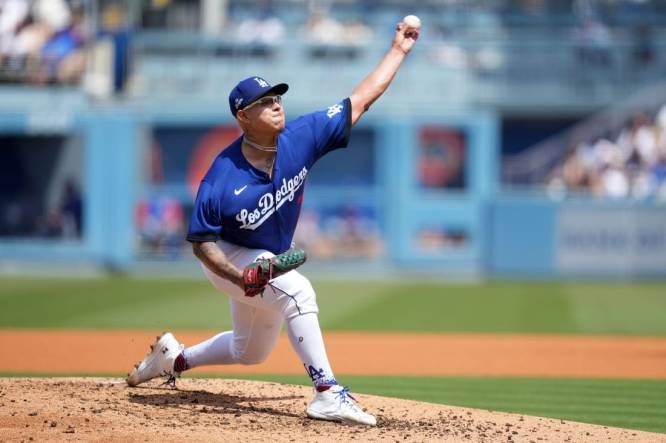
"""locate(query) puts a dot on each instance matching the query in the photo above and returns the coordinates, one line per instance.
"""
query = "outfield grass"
(505, 307)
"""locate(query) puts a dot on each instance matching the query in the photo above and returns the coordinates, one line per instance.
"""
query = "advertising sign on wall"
(622, 240)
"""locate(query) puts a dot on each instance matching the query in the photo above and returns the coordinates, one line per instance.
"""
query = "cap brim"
(279, 89)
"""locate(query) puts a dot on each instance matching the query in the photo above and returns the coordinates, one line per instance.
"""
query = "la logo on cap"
(263, 83)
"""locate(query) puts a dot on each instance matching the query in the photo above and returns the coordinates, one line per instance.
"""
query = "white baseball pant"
(257, 321)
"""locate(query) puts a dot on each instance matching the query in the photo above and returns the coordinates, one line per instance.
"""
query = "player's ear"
(242, 117)
(243, 121)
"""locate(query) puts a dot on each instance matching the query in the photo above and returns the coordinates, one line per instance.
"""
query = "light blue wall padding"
(531, 236)
(510, 234)
(521, 231)
(112, 157)
(411, 207)
(41, 121)
(618, 239)
(13, 123)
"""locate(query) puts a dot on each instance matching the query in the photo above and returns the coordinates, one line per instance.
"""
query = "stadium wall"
(537, 237)
(471, 227)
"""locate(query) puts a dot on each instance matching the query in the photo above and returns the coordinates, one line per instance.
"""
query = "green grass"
(504, 307)
(632, 404)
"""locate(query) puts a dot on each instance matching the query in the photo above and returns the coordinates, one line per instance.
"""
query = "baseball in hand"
(412, 22)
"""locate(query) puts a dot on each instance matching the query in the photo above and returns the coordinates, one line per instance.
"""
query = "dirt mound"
(102, 409)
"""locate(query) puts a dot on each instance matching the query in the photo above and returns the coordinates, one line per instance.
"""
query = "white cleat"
(336, 404)
(159, 362)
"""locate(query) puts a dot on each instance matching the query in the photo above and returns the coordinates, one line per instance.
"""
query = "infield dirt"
(102, 409)
(114, 352)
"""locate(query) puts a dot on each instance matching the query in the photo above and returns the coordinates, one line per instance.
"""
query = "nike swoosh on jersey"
(238, 191)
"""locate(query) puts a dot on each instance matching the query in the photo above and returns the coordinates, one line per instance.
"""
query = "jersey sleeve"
(331, 127)
(205, 224)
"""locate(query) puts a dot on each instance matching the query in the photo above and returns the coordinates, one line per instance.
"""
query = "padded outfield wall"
(412, 193)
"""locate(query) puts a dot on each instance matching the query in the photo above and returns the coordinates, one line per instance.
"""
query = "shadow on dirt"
(212, 403)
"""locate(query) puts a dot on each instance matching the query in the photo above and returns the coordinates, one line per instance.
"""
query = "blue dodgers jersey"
(244, 206)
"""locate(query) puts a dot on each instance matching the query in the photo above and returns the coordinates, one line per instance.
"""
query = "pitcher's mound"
(67, 409)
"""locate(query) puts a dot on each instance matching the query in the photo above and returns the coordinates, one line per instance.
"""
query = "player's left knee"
(302, 300)
(251, 358)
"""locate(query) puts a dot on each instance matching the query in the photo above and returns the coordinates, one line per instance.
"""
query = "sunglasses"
(265, 101)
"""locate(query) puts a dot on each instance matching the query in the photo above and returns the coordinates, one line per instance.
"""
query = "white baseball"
(412, 21)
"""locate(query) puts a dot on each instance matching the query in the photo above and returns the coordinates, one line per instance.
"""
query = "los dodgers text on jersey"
(268, 204)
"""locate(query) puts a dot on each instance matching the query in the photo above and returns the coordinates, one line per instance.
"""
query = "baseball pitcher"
(242, 226)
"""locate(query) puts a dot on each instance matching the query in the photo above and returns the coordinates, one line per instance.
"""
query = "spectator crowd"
(630, 164)
(41, 41)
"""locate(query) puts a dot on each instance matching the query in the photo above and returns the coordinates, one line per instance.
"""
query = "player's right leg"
(254, 335)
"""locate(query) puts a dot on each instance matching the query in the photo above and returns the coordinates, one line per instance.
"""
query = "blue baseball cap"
(250, 90)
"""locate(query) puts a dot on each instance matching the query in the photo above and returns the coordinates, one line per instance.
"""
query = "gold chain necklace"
(260, 147)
